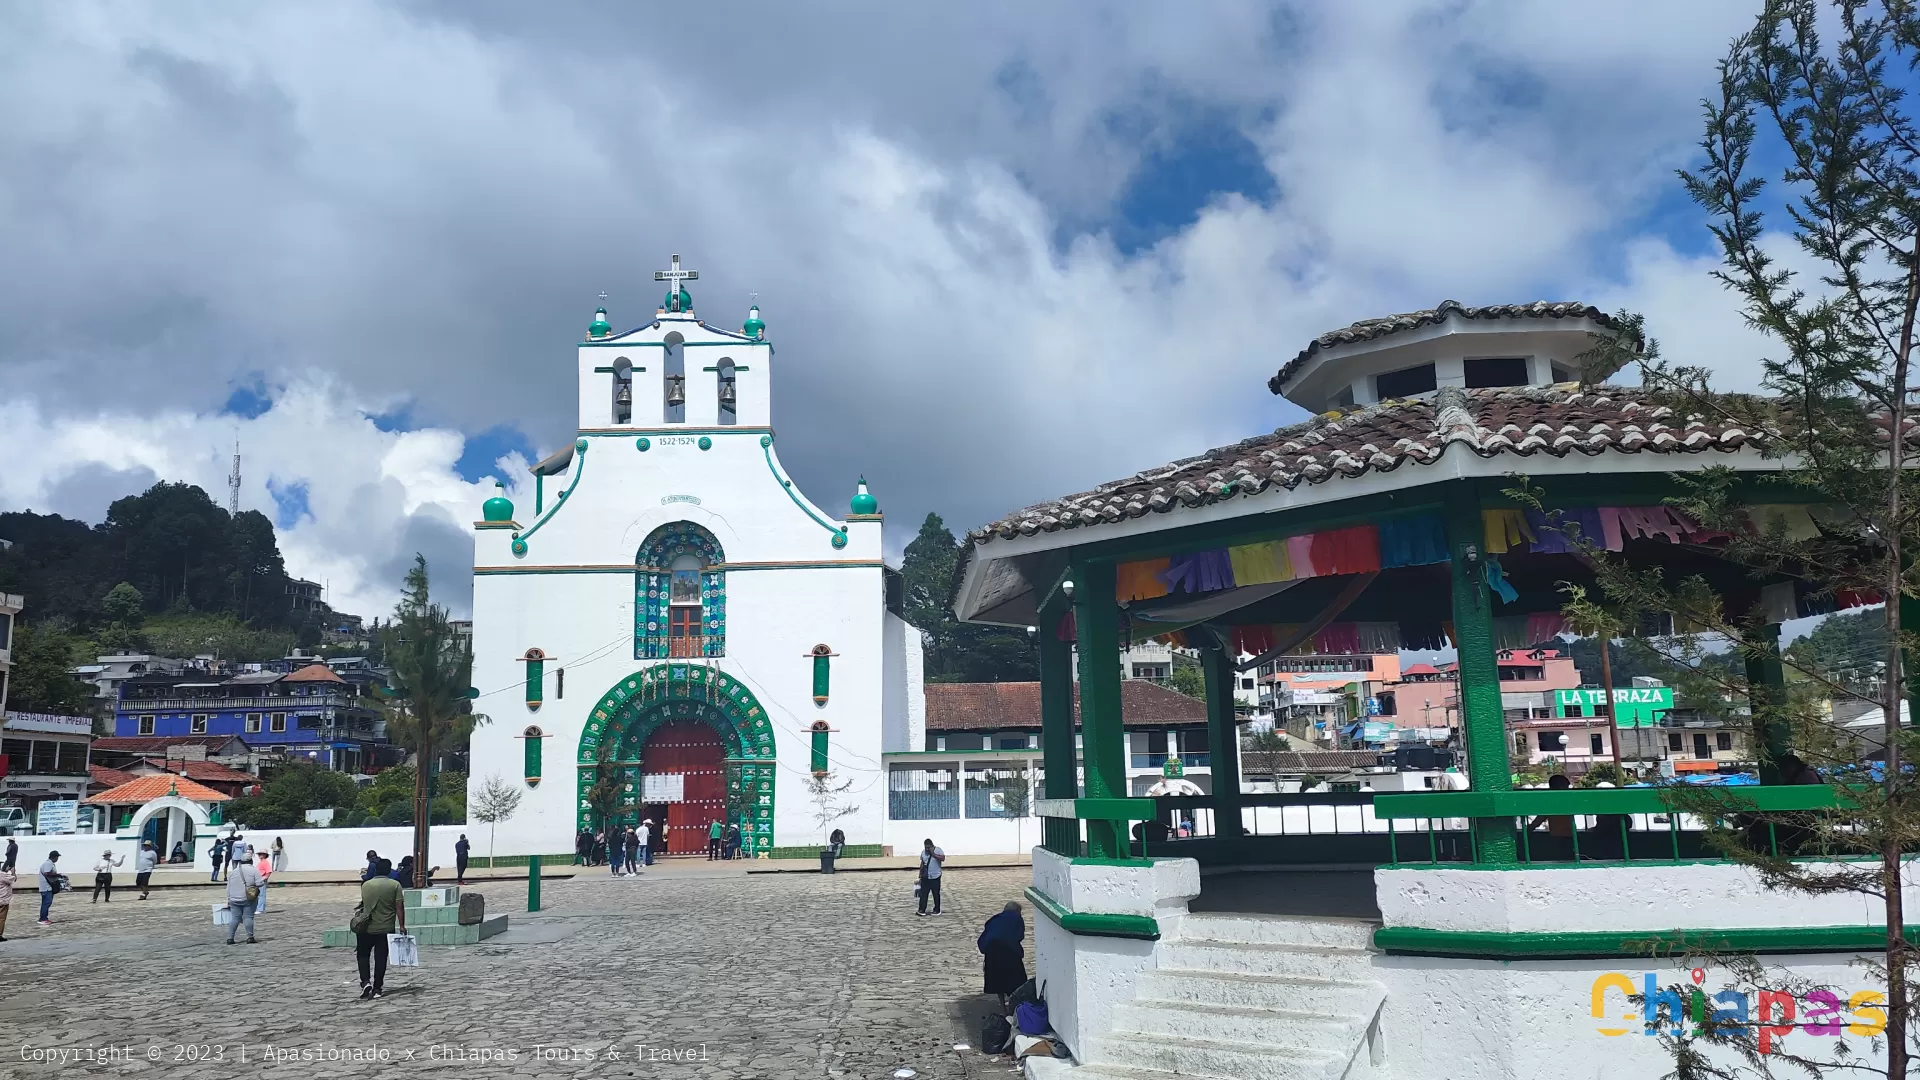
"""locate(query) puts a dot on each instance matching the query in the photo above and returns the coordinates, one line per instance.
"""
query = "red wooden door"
(693, 751)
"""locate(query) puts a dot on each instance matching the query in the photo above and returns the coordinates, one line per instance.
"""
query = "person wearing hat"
(143, 865)
(103, 874)
(49, 884)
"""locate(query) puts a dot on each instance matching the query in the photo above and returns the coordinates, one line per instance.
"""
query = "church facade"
(673, 632)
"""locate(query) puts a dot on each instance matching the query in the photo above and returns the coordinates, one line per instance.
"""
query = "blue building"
(309, 713)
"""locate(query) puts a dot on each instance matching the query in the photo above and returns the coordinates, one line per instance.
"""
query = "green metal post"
(1223, 748)
(1057, 754)
(1766, 686)
(1096, 616)
(1481, 715)
(533, 883)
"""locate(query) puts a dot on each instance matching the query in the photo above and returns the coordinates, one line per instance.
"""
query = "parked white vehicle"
(15, 822)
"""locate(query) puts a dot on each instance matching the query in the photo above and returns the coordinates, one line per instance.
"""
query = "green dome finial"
(753, 327)
(863, 500)
(599, 327)
(681, 302)
(498, 508)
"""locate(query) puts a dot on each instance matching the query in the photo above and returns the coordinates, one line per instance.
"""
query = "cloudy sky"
(1006, 251)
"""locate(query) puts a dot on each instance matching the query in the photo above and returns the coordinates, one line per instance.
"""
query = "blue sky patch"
(1206, 157)
(477, 460)
(289, 503)
(249, 400)
(398, 418)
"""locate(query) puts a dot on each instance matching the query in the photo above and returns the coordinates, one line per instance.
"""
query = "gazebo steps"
(442, 934)
(1244, 997)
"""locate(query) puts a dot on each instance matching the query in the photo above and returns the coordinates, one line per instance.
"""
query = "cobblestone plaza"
(688, 971)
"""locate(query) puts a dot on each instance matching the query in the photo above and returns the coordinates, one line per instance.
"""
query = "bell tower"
(675, 371)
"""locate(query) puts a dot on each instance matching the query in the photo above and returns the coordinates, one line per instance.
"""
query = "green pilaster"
(533, 883)
(1766, 686)
(1057, 755)
(1485, 736)
(1096, 616)
(1223, 744)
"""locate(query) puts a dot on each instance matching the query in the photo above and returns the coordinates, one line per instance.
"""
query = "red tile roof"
(314, 673)
(1420, 669)
(158, 744)
(144, 789)
(1371, 329)
(101, 776)
(1005, 706)
(204, 771)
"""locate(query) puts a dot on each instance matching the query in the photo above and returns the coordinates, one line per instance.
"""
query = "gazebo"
(1388, 521)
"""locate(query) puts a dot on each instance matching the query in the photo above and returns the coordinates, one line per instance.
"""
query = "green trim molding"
(579, 470)
(1648, 800)
(839, 534)
(1095, 809)
(1094, 924)
(731, 568)
(1622, 944)
(672, 429)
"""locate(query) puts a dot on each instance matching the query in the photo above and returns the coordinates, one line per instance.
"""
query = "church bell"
(623, 397)
(676, 390)
(727, 397)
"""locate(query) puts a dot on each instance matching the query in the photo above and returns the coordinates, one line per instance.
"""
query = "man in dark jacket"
(460, 849)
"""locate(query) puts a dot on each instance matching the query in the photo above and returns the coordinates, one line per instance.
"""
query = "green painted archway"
(674, 692)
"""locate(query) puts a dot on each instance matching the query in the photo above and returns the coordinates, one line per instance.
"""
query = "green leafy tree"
(1839, 378)
(956, 651)
(42, 676)
(1188, 679)
(428, 706)
(289, 793)
(1264, 754)
(126, 610)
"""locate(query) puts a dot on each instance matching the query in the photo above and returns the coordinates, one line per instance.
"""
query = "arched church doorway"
(684, 783)
(685, 724)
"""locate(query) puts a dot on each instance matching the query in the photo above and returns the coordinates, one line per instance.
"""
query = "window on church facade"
(680, 594)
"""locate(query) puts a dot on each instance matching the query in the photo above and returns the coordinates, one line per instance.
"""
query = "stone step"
(1224, 1023)
(1239, 990)
(1311, 961)
(1203, 1057)
(433, 934)
(1291, 930)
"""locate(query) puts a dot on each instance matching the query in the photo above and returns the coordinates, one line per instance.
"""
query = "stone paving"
(693, 970)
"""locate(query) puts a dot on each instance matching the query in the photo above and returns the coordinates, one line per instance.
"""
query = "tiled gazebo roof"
(1557, 421)
(144, 789)
(1369, 329)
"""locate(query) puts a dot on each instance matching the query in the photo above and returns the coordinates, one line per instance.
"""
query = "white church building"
(673, 631)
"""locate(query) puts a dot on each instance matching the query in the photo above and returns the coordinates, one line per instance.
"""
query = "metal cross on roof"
(676, 275)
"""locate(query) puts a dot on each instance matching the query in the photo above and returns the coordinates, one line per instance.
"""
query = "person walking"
(930, 859)
(49, 884)
(1006, 967)
(382, 905)
(103, 874)
(279, 855)
(237, 851)
(143, 864)
(716, 832)
(460, 849)
(7, 878)
(641, 836)
(631, 851)
(13, 856)
(219, 857)
(616, 850)
(243, 895)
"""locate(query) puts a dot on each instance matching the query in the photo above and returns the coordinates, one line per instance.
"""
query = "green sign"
(1174, 768)
(1633, 706)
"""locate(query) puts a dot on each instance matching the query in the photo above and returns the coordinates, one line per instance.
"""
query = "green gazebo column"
(1766, 685)
(1096, 617)
(1223, 747)
(1057, 754)
(1481, 714)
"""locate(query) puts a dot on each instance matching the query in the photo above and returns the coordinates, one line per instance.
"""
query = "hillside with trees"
(169, 571)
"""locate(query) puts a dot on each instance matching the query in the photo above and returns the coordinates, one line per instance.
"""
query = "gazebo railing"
(1060, 822)
(1607, 825)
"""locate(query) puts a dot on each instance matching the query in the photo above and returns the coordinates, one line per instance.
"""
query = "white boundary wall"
(307, 849)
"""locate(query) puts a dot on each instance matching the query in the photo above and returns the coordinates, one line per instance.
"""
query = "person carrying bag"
(382, 907)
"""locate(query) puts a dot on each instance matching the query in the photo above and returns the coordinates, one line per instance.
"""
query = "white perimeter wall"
(307, 849)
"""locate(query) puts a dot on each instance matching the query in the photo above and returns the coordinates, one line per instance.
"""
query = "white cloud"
(419, 203)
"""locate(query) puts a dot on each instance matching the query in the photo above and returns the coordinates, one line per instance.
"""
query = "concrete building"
(10, 605)
(311, 713)
(46, 757)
